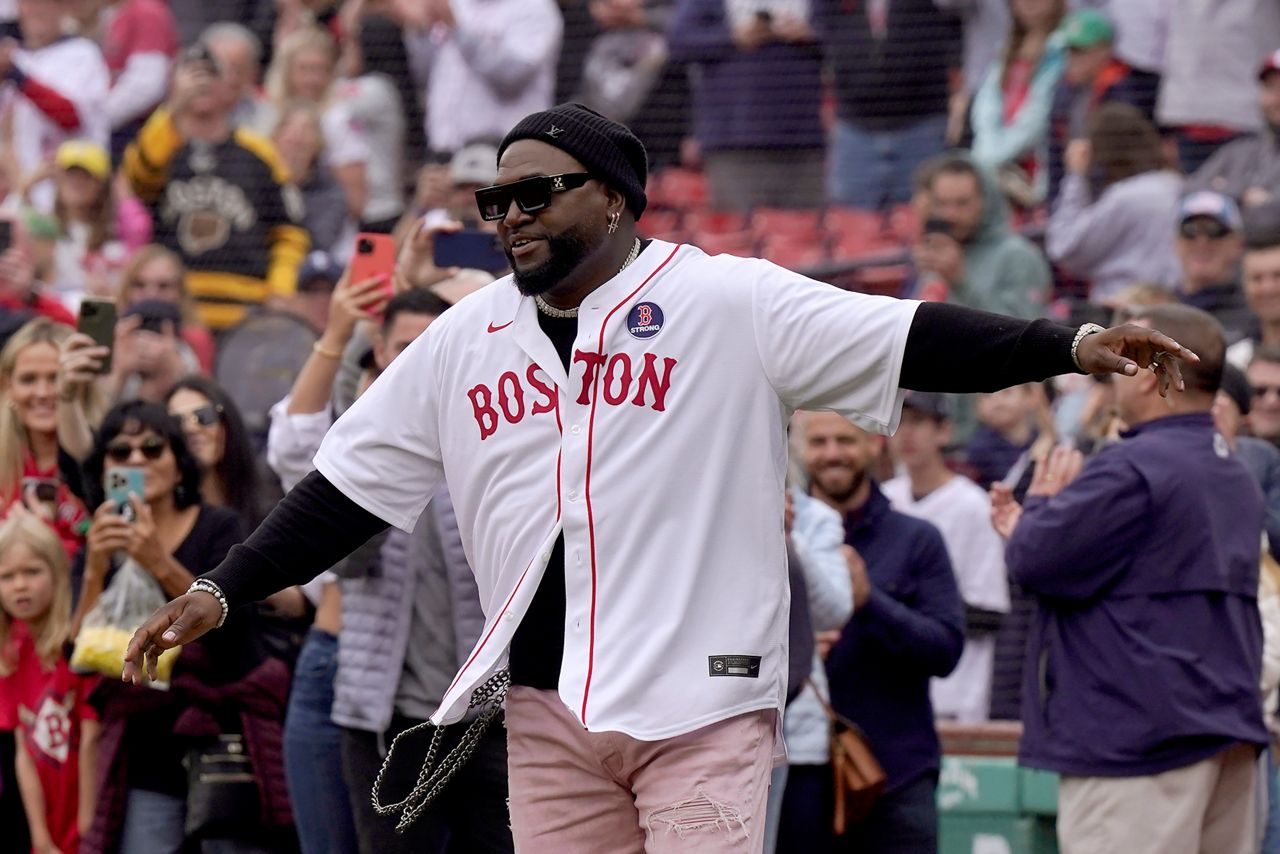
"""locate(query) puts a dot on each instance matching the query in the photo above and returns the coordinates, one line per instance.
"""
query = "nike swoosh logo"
(493, 328)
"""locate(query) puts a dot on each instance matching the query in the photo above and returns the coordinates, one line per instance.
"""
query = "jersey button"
(576, 429)
(573, 495)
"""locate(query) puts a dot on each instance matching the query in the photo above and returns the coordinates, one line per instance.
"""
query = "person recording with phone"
(968, 254)
(174, 536)
(35, 470)
(221, 195)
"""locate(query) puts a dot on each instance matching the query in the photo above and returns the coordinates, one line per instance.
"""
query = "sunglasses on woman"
(152, 447)
(530, 194)
(204, 416)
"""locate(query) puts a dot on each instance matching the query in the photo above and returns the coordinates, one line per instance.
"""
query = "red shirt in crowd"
(70, 520)
(48, 707)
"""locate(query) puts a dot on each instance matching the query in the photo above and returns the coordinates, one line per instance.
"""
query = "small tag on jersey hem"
(746, 666)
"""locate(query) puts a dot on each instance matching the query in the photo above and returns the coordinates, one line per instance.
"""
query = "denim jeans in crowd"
(904, 821)
(1271, 817)
(153, 824)
(874, 168)
(313, 753)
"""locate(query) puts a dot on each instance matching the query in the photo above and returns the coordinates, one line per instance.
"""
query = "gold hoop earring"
(613, 221)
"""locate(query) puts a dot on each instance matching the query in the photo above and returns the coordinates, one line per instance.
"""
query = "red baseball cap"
(1270, 64)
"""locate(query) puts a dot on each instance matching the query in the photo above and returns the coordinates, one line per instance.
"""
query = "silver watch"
(1083, 332)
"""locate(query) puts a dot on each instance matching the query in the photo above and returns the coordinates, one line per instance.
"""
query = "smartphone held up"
(375, 255)
(121, 483)
(98, 320)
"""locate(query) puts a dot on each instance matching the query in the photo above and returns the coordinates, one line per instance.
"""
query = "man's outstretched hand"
(1130, 348)
(181, 621)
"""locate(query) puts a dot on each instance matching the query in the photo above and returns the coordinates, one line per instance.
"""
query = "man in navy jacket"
(907, 627)
(1141, 685)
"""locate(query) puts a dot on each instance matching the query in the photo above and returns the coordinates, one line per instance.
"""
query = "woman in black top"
(175, 538)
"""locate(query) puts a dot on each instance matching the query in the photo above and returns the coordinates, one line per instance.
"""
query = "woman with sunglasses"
(174, 537)
(215, 433)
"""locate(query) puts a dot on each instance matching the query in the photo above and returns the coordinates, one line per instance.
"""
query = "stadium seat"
(707, 221)
(904, 223)
(847, 245)
(795, 252)
(883, 279)
(852, 224)
(775, 222)
(658, 221)
(682, 189)
(740, 243)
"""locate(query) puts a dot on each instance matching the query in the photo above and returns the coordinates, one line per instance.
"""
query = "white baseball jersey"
(76, 69)
(660, 455)
(961, 511)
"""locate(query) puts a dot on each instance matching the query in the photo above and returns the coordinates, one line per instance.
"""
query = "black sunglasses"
(530, 194)
(1212, 229)
(205, 416)
(153, 448)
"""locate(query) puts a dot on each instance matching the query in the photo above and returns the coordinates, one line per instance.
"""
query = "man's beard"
(565, 253)
(839, 492)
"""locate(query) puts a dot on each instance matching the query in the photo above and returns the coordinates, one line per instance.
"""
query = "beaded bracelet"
(204, 585)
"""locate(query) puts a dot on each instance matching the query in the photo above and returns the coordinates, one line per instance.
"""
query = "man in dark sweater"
(891, 61)
(1141, 684)
(907, 627)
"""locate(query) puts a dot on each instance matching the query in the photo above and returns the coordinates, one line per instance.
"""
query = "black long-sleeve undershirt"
(961, 350)
(948, 348)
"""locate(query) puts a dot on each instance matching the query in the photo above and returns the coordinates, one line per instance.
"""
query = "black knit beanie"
(609, 150)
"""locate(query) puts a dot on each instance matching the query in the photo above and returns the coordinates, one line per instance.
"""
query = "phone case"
(375, 255)
(122, 482)
(479, 250)
(98, 321)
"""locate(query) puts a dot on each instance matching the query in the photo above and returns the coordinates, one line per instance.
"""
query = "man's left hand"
(1129, 348)
(1055, 472)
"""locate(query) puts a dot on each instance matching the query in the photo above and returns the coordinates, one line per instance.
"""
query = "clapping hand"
(1056, 471)
(1005, 511)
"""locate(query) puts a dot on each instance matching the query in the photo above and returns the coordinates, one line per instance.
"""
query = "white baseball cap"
(474, 164)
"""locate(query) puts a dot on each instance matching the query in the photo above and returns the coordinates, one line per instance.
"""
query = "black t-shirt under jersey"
(537, 647)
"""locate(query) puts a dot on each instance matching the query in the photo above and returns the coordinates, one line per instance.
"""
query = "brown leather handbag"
(859, 779)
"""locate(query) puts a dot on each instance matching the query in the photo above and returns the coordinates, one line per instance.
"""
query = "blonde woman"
(33, 465)
(304, 70)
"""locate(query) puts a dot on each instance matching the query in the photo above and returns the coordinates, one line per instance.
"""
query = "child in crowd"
(56, 728)
(100, 222)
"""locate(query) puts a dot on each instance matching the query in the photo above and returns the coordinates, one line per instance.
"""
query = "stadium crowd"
(208, 167)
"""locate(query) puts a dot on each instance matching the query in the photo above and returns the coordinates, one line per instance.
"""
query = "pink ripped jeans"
(579, 792)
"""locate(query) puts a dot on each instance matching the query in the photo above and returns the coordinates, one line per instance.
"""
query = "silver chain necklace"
(551, 311)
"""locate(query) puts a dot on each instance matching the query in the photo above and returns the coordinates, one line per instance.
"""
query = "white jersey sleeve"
(827, 348)
(384, 452)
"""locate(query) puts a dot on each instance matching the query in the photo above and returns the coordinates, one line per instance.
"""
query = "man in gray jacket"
(1248, 169)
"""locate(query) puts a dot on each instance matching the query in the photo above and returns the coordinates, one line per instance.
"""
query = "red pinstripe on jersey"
(591, 528)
